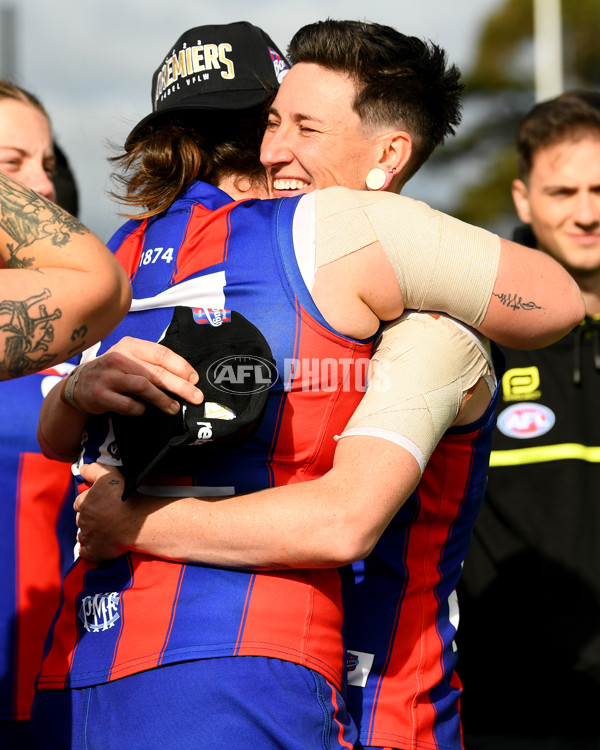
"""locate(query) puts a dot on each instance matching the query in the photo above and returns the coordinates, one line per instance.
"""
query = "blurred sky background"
(91, 63)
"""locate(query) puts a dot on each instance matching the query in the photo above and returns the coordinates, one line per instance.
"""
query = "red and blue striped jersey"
(138, 612)
(401, 606)
(38, 536)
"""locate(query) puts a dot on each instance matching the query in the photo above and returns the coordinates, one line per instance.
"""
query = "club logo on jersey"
(523, 421)
(212, 315)
(358, 667)
(521, 384)
(242, 374)
(99, 612)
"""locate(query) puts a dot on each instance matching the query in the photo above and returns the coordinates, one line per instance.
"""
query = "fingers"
(98, 526)
(166, 370)
(157, 355)
(92, 472)
(133, 373)
(87, 553)
(92, 526)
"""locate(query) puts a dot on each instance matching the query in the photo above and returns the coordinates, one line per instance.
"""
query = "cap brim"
(227, 101)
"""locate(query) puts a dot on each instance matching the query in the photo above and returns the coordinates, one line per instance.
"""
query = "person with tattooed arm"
(37, 526)
(61, 290)
(310, 525)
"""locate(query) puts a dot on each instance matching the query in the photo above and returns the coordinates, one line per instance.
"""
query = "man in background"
(318, 135)
(529, 638)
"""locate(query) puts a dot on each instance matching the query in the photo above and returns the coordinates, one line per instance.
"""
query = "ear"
(396, 150)
(520, 196)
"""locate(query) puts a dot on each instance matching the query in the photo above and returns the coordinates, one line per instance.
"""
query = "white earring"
(376, 179)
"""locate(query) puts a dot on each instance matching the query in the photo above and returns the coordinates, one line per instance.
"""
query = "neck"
(242, 188)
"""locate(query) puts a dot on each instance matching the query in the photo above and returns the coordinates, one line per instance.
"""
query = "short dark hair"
(570, 116)
(402, 81)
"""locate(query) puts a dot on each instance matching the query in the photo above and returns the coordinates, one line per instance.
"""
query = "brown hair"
(570, 116)
(181, 147)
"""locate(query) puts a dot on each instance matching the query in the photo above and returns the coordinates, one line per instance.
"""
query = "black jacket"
(529, 635)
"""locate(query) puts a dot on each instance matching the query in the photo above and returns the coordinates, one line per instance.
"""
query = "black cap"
(230, 66)
(235, 367)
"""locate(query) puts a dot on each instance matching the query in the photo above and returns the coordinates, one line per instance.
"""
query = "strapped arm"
(515, 295)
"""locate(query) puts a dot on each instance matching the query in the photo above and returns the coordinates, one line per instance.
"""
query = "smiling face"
(314, 139)
(26, 146)
(561, 201)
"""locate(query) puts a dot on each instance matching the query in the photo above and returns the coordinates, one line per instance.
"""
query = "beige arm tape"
(441, 263)
(423, 367)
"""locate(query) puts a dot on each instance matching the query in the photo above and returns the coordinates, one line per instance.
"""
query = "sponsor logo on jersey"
(99, 612)
(521, 384)
(523, 421)
(359, 665)
(212, 315)
(242, 374)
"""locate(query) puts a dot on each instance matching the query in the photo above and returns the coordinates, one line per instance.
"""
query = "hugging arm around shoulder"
(517, 296)
(339, 517)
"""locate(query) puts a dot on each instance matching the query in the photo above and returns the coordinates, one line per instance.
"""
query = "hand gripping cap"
(235, 367)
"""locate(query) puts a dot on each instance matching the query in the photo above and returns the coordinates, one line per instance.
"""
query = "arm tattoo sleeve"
(27, 326)
(26, 217)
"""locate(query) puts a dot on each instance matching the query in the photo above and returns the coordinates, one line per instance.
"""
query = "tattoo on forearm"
(515, 302)
(25, 336)
(26, 217)
(78, 339)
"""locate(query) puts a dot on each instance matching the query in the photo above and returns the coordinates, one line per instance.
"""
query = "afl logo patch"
(242, 374)
(524, 421)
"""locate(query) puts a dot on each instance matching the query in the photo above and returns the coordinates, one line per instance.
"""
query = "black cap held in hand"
(218, 67)
(235, 367)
